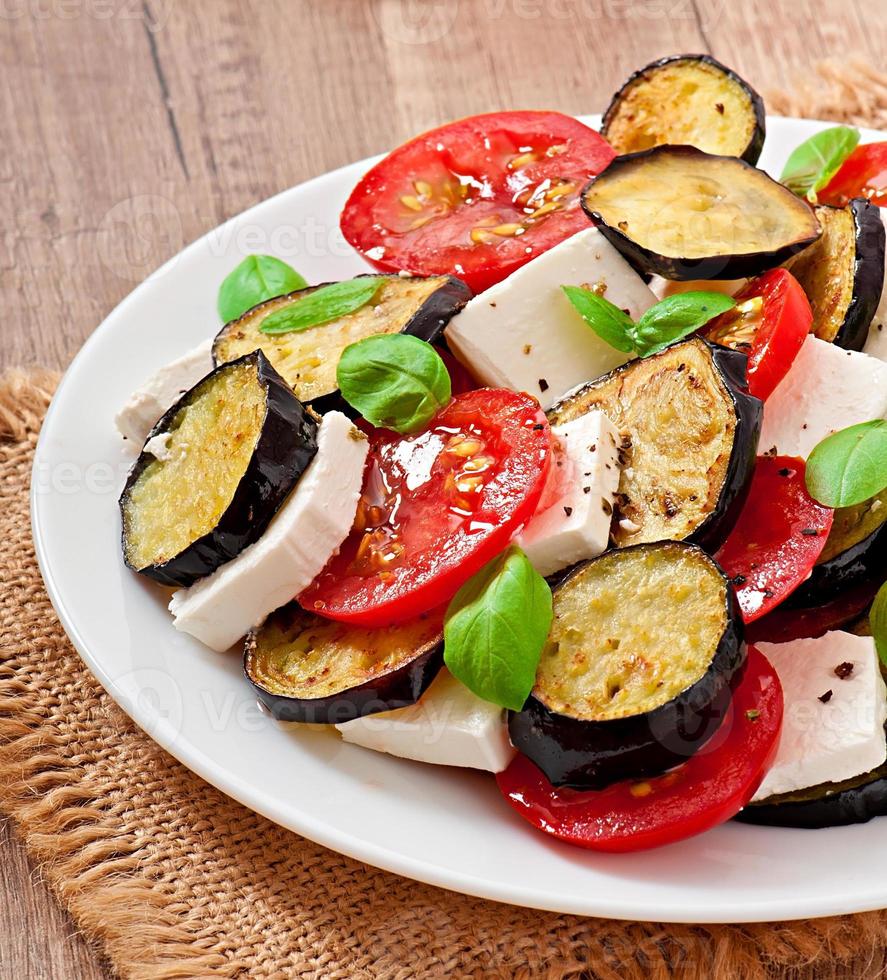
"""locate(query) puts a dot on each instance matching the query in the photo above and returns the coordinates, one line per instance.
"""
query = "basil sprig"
(325, 304)
(849, 466)
(255, 279)
(496, 627)
(813, 164)
(667, 321)
(394, 380)
(878, 622)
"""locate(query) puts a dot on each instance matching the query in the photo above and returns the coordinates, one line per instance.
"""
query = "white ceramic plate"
(443, 826)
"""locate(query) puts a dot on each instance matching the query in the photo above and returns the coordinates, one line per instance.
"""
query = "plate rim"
(369, 852)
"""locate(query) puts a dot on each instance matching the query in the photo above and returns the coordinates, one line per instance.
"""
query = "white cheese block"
(448, 726)
(826, 389)
(577, 525)
(876, 343)
(306, 532)
(671, 287)
(832, 739)
(137, 417)
(524, 334)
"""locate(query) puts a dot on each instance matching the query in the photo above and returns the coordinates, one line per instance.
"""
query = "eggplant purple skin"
(595, 754)
(753, 151)
(643, 260)
(427, 323)
(868, 274)
(733, 368)
(398, 688)
(866, 560)
(857, 804)
(286, 445)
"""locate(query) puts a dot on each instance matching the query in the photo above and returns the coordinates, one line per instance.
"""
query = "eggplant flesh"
(690, 432)
(307, 359)
(684, 214)
(687, 99)
(854, 800)
(855, 552)
(843, 273)
(635, 675)
(309, 669)
(214, 471)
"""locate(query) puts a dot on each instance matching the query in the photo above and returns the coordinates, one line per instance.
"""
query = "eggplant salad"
(583, 483)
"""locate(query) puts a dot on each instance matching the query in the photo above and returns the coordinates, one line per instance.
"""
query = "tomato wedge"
(476, 198)
(862, 174)
(436, 507)
(778, 537)
(770, 321)
(712, 786)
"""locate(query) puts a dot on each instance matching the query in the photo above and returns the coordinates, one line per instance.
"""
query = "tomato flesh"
(435, 508)
(712, 786)
(780, 533)
(476, 198)
(862, 174)
(770, 321)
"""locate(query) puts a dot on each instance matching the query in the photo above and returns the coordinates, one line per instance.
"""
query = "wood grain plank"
(134, 127)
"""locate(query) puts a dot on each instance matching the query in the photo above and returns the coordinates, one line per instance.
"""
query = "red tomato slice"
(712, 786)
(778, 537)
(436, 507)
(770, 321)
(476, 198)
(862, 174)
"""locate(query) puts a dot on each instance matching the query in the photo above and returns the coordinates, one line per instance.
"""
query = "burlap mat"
(170, 878)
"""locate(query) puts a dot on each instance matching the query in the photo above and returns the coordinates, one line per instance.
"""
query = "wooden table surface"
(131, 127)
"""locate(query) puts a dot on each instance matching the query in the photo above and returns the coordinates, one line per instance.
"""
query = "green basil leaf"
(849, 466)
(878, 622)
(606, 319)
(257, 278)
(323, 305)
(813, 164)
(496, 627)
(675, 317)
(394, 380)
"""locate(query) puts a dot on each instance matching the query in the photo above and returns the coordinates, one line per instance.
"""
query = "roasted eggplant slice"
(309, 669)
(854, 800)
(214, 471)
(687, 99)
(684, 214)
(635, 675)
(855, 552)
(843, 273)
(690, 437)
(307, 360)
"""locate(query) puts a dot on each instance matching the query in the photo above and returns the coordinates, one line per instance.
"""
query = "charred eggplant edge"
(868, 274)
(741, 265)
(732, 367)
(865, 560)
(286, 445)
(594, 754)
(752, 152)
(399, 687)
(427, 323)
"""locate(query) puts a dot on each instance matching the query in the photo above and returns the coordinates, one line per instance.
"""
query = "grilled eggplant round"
(309, 669)
(635, 675)
(843, 273)
(307, 360)
(690, 436)
(684, 214)
(687, 99)
(855, 552)
(214, 472)
(854, 800)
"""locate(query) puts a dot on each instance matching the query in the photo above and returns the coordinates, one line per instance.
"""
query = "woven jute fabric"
(170, 878)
